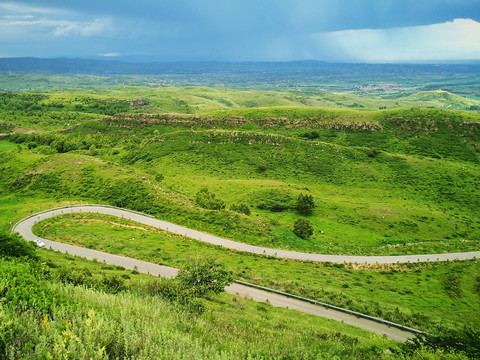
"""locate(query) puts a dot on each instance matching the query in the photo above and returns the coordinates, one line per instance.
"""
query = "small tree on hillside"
(207, 200)
(305, 204)
(204, 278)
(303, 228)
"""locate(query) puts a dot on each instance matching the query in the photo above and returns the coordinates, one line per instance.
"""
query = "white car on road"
(40, 243)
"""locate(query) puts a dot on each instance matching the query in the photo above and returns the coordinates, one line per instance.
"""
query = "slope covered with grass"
(385, 182)
(403, 181)
(58, 306)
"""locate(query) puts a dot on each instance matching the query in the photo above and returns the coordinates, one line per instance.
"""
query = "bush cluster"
(305, 204)
(207, 200)
(241, 208)
(303, 228)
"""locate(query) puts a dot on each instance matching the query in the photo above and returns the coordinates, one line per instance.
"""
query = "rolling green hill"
(392, 181)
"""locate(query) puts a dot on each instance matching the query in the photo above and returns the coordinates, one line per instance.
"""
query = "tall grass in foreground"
(84, 323)
(105, 326)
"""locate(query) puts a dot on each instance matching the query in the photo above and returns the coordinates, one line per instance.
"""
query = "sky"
(243, 30)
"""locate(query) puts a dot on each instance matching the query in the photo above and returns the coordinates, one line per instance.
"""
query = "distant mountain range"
(315, 68)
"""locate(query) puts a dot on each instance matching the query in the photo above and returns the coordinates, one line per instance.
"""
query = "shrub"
(311, 135)
(15, 246)
(305, 204)
(241, 208)
(261, 167)
(20, 290)
(303, 228)
(466, 340)
(373, 153)
(274, 200)
(204, 278)
(93, 150)
(207, 200)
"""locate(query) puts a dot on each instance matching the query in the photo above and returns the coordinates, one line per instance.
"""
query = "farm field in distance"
(390, 170)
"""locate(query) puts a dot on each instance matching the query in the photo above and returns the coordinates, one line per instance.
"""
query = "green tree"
(207, 200)
(305, 204)
(303, 228)
(204, 278)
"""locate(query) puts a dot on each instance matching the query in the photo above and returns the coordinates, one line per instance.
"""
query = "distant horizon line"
(136, 60)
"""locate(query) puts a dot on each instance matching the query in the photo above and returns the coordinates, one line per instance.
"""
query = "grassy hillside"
(380, 180)
(60, 109)
(419, 290)
(395, 181)
(60, 307)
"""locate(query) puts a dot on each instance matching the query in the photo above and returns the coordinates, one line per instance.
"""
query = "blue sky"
(243, 30)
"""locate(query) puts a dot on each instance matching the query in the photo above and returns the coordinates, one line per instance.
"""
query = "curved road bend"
(24, 227)
(26, 224)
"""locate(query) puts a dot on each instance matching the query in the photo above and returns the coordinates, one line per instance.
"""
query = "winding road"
(24, 228)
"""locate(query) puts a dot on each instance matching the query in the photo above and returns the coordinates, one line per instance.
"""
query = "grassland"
(389, 182)
(395, 181)
(419, 295)
(59, 319)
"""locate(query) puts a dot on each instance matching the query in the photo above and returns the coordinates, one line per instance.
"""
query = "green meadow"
(410, 294)
(401, 180)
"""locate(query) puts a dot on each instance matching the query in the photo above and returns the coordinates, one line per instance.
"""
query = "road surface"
(25, 224)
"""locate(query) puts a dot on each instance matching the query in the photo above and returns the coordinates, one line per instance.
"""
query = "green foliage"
(411, 284)
(93, 150)
(241, 208)
(452, 283)
(465, 340)
(275, 200)
(311, 135)
(20, 290)
(97, 325)
(261, 166)
(207, 200)
(6, 127)
(16, 246)
(159, 177)
(132, 194)
(305, 204)
(204, 278)
(303, 228)
(373, 153)
(176, 293)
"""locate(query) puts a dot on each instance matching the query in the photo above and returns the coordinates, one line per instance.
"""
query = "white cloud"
(453, 40)
(32, 28)
(96, 27)
(24, 22)
(19, 8)
(110, 54)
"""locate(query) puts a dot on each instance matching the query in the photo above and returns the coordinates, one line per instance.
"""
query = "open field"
(391, 181)
(420, 289)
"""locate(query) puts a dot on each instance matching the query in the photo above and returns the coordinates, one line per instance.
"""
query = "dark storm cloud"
(209, 29)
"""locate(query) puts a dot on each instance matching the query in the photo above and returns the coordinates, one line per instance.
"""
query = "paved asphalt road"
(24, 227)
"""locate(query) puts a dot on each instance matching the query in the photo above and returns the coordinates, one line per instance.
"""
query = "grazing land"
(403, 179)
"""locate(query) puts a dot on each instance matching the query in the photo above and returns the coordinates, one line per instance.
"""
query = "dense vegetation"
(367, 182)
(379, 180)
(410, 294)
(61, 307)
